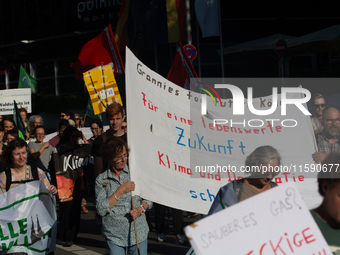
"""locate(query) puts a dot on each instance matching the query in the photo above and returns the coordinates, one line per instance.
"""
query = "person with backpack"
(20, 173)
(264, 157)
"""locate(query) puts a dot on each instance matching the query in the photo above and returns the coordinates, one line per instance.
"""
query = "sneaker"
(181, 239)
(161, 237)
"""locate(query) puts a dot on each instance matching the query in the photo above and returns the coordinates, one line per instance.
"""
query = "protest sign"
(276, 221)
(102, 87)
(28, 220)
(21, 96)
(174, 144)
(69, 165)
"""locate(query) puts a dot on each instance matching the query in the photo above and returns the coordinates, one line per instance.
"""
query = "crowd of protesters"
(27, 155)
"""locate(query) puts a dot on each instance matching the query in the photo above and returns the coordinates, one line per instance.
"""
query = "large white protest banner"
(175, 150)
(28, 220)
(276, 221)
(21, 96)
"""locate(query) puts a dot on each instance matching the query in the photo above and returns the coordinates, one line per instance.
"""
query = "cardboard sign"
(174, 148)
(276, 221)
(102, 87)
(21, 96)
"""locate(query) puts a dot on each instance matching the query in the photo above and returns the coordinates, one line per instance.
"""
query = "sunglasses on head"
(320, 105)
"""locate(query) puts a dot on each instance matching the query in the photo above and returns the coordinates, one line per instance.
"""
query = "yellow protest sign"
(102, 87)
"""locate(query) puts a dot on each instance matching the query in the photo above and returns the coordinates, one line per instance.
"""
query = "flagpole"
(94, 87)
(134, 223)
(198, 50)
(188, 19)
(104, 83)
(221, 43)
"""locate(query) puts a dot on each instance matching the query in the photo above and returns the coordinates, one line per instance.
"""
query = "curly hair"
(98, 122)
(112, 147)
(12, 145)
(329, 173)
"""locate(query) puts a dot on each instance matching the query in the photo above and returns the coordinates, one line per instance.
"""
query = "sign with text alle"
(28, 220)
(276, 221)
(21, 96)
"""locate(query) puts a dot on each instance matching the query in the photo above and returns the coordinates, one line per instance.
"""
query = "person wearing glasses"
(40, 151)
(318, 105)
(96, 129)
(66, 114)
(328, 139)
(114, 203)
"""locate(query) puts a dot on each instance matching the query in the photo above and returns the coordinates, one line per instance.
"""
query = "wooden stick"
(95, 90)
(104, 83)
(134, 223)
(84, 118)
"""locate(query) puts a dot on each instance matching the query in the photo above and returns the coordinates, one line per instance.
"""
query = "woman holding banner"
(20, 173)
(261, 165)
(123, 216)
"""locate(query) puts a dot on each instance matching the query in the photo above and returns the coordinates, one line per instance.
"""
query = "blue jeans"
(112, 249)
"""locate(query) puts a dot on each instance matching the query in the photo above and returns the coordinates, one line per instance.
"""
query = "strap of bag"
(8, 178)
(29, 169)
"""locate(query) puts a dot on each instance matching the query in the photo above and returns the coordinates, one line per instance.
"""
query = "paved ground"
(90, 241)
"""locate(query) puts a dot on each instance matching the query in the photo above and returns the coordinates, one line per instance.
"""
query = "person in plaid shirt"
(328, 139)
